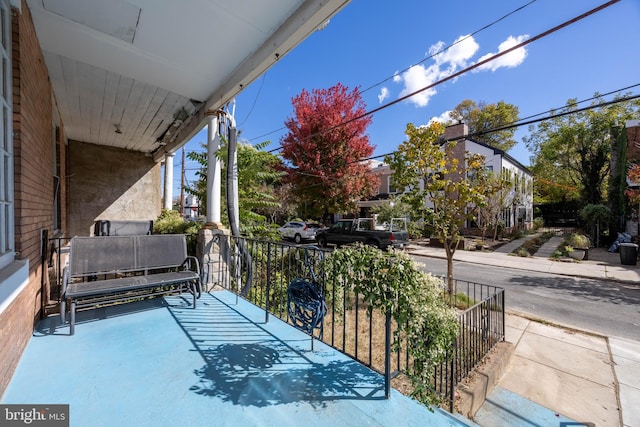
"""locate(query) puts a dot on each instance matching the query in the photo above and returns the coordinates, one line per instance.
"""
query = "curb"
(473, 391)
(415, 251)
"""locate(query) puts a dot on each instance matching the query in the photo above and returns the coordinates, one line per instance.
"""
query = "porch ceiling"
(140, 74)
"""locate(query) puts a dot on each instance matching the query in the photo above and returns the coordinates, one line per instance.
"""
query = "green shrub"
(578, 241)
(261, 231)
(538, 223)
(531, 243)
(463, 301)
(516, 233)
(415, 230)
(170, 222)
(593, 214)
(391, 281)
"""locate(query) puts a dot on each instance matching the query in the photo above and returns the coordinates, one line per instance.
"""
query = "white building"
(518, 208)
(191, 207)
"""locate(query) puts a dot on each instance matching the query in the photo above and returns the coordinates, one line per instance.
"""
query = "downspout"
(233, 208)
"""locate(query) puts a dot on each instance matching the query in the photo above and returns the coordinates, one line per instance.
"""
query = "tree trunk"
(450, 248)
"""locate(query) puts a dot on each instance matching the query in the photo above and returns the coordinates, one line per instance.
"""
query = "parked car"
(299, 231)
(365, 230)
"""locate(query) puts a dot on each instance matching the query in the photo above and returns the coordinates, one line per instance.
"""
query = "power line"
(463, 71)
(472, 67)
(573, 104)
(444, 49)
(564, 113)
(267, 134)
(264, 76)
(510, 126)
(519, 123)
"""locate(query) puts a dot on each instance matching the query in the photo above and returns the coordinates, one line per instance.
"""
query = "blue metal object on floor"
(504, 408)
(160, 362)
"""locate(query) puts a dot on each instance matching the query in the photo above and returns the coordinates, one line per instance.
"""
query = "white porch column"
(211, 247)
(168, 181)
(214, 177)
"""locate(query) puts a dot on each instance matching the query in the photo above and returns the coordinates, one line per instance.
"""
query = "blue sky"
(374, 41)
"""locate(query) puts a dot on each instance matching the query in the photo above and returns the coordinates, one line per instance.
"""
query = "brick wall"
(33, 143)
(32, 118)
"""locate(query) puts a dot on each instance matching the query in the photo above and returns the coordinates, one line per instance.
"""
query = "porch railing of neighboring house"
(272, 266)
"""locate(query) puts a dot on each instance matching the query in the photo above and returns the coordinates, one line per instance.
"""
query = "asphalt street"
(600, 306)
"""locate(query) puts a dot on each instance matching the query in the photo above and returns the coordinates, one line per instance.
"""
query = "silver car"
(299, 231)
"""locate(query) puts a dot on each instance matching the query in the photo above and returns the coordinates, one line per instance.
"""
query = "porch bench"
(122, 227)
(110, 269)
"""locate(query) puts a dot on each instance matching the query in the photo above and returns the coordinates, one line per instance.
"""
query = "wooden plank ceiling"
(140, 74)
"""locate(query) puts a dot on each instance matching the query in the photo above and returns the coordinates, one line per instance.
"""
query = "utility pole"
(182, 187)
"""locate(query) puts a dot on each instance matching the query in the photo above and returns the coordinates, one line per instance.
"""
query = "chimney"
(457, 131)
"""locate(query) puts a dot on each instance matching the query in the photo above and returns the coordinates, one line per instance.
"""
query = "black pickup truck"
(365, 230)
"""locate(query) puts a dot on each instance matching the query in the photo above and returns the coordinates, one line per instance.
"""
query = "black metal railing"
(55, 260)
(348, 327)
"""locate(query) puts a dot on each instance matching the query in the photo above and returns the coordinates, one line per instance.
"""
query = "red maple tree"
(633, 193)
(323, 149)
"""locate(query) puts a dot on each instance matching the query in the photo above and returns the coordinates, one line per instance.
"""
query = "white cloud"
(416, 78)
(442, 118)
(384, 94)
(446, 63)
(457, 55)
(510, 60)
(449, 62)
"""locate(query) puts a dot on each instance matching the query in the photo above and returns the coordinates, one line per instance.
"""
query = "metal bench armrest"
(63, 301)
(187, 264)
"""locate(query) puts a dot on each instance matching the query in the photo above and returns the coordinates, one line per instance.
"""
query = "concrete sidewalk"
(601, 264)
(559, 376)
(556, 376)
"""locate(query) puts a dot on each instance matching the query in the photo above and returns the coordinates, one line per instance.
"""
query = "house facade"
(95, 97)
(517, 208)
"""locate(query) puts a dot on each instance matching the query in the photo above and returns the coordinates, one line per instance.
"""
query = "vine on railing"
(392, 282)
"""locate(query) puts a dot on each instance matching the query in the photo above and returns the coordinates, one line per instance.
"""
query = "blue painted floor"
(504, 408)
(159, 362)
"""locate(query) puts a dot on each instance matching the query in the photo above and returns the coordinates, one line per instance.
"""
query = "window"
(6, 140)
(392, 186)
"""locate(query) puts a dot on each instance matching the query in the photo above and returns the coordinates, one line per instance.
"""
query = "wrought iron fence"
(348, 327)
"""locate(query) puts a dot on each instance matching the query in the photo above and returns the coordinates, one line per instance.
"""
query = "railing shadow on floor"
(247, 363)
(271, 266)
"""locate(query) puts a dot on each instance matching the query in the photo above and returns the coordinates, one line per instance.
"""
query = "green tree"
(257, 176)
(498, 193)
(396, 208)
(573, 150)
(482, 117)
(326, 139)
(434, 180)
